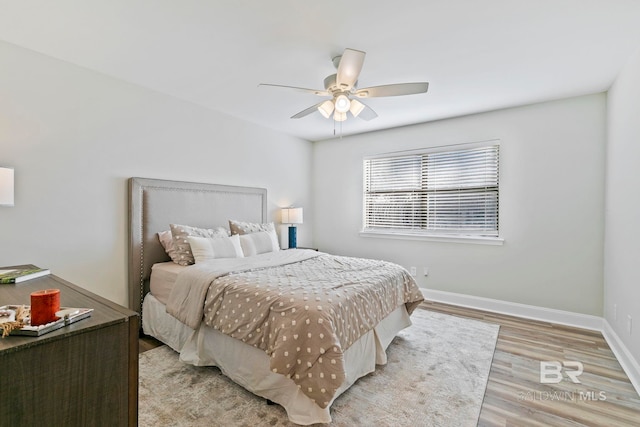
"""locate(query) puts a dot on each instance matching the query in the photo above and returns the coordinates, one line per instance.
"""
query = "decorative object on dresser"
(44, 306)
(20, 273)
(84, 373)
(292, 216)
(16, 320)
(6, 186)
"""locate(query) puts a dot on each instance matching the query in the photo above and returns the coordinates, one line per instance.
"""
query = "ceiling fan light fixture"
(326, 108)
(339, 117)
(343, 92)
(342, 103)
(356, 107)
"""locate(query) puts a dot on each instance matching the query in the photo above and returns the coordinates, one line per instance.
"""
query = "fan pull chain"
(334, 128)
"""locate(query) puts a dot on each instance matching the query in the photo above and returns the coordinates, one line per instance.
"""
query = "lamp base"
(292, 237)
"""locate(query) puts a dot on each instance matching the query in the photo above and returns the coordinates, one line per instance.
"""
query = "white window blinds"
(452, 191)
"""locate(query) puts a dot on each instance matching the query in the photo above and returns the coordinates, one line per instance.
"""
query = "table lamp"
(292, 216)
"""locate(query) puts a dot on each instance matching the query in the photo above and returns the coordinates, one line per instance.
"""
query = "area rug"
(436, 375)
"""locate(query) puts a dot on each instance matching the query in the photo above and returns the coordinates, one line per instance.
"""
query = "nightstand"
(83, 374)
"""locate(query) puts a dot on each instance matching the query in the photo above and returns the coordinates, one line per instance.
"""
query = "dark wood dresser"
(84, 374)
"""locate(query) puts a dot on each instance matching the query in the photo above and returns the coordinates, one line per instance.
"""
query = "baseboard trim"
(626, 360)
(578, 320)
(584, 321)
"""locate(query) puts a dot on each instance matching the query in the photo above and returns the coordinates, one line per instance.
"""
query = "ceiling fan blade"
(367, 113)
(298, 89)
(392, 90)
(349, 68)
(307, 111)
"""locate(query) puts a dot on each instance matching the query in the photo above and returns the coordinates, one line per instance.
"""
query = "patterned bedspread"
(303, 313)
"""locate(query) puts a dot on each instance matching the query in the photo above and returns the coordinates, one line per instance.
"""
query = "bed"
(305, 390)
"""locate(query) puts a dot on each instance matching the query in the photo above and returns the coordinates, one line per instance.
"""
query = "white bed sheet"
(208, 347)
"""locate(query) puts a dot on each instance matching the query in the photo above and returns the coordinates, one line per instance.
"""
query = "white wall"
(74, 137)
(622, 220)
(551, 205)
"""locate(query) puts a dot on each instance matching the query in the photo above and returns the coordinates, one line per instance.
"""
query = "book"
(20, 274)
(66, 316)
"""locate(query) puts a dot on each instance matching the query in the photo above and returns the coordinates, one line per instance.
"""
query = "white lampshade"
(356, 107)
(339, 117)
(326, 108)
(6, 187)
(292, 216)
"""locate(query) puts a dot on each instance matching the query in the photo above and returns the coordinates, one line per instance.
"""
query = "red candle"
(44, 305)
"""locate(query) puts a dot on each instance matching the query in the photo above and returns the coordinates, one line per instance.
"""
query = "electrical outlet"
(629, 321)
(615, 311)
(413, 271)
(426, 271)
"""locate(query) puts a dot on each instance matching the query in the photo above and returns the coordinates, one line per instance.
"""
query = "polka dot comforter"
(303, 308)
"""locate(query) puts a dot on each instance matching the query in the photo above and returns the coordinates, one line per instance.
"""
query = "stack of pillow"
(187, 245)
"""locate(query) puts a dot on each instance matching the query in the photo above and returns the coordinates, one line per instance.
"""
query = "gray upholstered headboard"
(156, 203)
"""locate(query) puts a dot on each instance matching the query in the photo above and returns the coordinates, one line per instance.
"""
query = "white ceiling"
(477, 55)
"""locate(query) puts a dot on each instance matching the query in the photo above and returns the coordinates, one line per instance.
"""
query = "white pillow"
(259, 243)
(183, 253)
(208, 248)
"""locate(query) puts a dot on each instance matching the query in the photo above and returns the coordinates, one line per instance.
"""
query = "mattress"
(208, 347)
(163, 277)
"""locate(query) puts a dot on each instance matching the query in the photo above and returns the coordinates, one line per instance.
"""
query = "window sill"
(476, 240)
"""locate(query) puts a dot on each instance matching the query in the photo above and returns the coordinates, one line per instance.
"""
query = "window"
(446, 191)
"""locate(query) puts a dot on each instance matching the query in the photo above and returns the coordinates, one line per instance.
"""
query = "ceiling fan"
(342, 87)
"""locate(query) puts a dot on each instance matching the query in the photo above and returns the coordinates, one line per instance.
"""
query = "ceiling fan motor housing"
(331, 85)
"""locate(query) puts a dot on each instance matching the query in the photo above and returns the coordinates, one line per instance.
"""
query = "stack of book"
(9, 275)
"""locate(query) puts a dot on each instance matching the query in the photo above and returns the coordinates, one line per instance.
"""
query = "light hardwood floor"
(515, 397)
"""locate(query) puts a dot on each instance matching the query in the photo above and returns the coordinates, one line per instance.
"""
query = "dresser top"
(104, 313)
